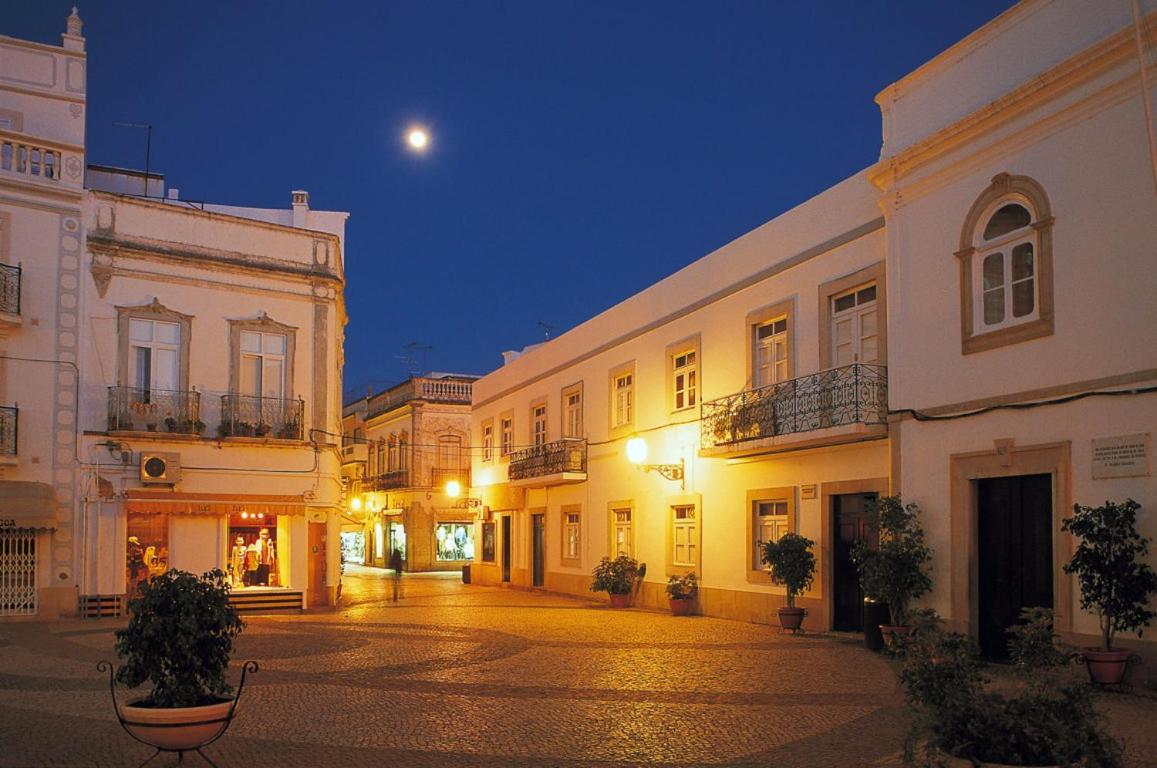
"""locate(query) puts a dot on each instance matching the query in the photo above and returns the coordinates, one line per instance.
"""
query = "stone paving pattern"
(457, 675)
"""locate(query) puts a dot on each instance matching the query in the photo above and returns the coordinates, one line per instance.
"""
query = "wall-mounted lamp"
(454, 491)
(356, 504)
(637, 455)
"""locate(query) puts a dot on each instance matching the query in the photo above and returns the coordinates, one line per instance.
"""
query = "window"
(538, 425)
(506, 425)
(488, 441)
(263, 364)
(624, 399)
(488, 548)
(154, 354)
(621, 527)
(684, 374)
(392, 460)
(770, 521)
(1006, 265)
(571, 516)
(572, 411)
(404, 451)
(450, 453)
(770, 353)
(855, 327)
(684, 536)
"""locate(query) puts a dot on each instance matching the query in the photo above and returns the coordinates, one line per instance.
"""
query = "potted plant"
(963, 720)
(1115, 583)
(179, 639)
(681, 592)
(262, 429)
(616, 578)
(793, 564)
(290, 430)
(170, 424)
(896, 570)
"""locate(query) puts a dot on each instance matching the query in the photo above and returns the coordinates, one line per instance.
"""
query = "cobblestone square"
(457, 675)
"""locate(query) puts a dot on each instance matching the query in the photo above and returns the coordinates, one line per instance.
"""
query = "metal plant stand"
(222, 722)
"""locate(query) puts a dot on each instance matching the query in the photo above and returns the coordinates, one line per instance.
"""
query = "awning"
(27, 505)
(144, 502)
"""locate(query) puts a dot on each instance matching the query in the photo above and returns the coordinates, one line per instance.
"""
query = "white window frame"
(572, 423)
(623, 386)
(152, 346)
(685, 379)
(572, 536)
(855, 315)
(622, 522)
(1004, 245)
(767, 519)
(263, 359)
(538, 424)
(506, 435)
(775, 342)
(684, 522)
(488, 441)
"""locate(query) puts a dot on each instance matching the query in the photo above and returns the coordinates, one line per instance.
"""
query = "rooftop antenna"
(547, 328)
(148, 146)
(410, 356)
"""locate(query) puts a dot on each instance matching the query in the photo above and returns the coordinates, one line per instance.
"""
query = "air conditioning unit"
(160, 468)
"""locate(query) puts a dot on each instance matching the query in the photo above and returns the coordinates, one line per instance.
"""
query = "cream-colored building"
(176, 366)
(402, 447)
(897, 332)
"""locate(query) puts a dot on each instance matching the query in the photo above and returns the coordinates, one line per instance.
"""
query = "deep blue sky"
(582, 149)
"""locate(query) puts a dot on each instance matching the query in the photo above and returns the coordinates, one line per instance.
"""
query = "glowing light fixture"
(453, 489)
(637, 455)
(356, 503)
(417, 138)
(636, 450)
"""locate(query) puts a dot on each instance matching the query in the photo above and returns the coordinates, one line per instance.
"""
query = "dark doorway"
(850, 524)
(539, 548)
(1014, 554)
(506, 547)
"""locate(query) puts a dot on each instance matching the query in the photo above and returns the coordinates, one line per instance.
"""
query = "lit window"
(684, 536)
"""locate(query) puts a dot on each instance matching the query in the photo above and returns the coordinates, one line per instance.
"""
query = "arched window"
(1006, 265)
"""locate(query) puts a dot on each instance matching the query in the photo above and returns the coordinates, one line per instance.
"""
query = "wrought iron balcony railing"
(257, 416)
(852, 394)
(10, 289)
(439, 476)
(388, 481)
(154, 410)
(9, 432)
(566, 455)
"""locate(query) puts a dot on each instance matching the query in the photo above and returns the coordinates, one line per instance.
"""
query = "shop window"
(488, 543)
(253, 550)
(147, 554)
(453, 541)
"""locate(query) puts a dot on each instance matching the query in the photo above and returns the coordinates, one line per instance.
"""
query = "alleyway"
(477, 676)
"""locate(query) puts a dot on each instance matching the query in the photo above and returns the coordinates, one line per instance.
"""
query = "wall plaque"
(1122, 456)
(807, 491)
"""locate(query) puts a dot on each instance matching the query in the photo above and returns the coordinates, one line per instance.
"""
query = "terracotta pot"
(960, 762)
(791, 618)
(178, 728)
(1106, 667)
(890, 632)
(620, 601)
(680, 606)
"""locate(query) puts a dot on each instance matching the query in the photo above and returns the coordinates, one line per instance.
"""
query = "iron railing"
(566, 455)
(852, 394)
(9, 432)
(10, 289)
(257, 416)
(388, 481)
(439, 476)
(154, 410)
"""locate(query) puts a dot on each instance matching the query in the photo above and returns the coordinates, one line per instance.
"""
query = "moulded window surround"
(768, 510)
(765, 343)
(240, 353)
(684, 534)
(572, 411)
(684, 374)
(506, 434)
(571, 525)
(1006, 266)
(623, 386)
(621, 527)
(872, 276)
(488, 440)
(153, 314)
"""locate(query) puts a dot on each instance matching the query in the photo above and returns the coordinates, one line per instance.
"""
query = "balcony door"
(771, 353)
(855, 327)
(263, 365)
(155, 355)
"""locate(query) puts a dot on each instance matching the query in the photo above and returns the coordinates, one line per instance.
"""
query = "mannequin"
(237, 561)
(266, 557)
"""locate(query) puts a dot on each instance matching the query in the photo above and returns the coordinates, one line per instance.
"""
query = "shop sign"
(1122, 456)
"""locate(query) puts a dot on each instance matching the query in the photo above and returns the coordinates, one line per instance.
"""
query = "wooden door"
(850, 524)
(506, 547)
(539, 547)
(1014, 554)
(316, 595)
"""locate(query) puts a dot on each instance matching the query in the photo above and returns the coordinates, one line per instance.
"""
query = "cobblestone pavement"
(457, 675)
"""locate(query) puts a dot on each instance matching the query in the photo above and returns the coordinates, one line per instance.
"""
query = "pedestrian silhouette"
(396, 567)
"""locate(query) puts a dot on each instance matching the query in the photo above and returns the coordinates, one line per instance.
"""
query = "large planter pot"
(620, 601)
(179, 729)
(680, 606)
(960, 762)
(892, 632)
(791, 618)
(1106, 667)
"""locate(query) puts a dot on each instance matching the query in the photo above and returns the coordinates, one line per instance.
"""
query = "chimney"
(300, 208)
(73, 37)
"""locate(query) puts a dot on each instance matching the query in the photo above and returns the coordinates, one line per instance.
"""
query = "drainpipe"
(1145, 91)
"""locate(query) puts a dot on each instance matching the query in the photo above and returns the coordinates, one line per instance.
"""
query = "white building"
(202, 431)
(808, 366)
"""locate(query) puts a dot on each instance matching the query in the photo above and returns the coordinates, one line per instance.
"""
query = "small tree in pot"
(1115, 583)
(681, 592)
(896, 571)
(616, 578)
(179, 638)
(793, 564)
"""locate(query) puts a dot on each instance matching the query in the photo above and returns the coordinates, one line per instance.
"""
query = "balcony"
(262, 417)
(9, 421)
(9, 298)
(439, 476)
(422, 388)
(387, 481)
(31, 161)
(839, 405)
(563, 461)
(132, 409)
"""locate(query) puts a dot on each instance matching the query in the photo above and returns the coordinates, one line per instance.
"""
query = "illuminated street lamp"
(637, 455)
(454, 490)
(356, 503)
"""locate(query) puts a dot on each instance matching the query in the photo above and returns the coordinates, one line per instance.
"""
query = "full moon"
(418, 139)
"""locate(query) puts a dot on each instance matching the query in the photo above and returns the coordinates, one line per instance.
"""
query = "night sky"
(581, 150)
